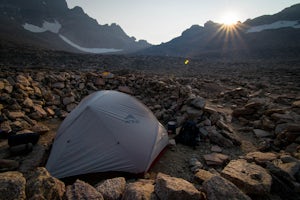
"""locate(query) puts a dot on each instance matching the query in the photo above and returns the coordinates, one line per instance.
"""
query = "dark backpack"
(188, 134)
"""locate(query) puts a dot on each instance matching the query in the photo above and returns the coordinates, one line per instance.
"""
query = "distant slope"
(268, 36)
(24, 22)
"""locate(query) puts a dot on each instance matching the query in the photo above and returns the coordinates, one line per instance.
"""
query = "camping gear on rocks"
(171, 127)
(5, 134)
(188, 134)
(21, 149)
(14, 140)
(108, 131)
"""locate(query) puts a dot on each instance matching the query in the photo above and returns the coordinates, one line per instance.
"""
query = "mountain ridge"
(75, 25)
(252, 38)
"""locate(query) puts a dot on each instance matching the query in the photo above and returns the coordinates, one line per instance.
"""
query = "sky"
(160, 21)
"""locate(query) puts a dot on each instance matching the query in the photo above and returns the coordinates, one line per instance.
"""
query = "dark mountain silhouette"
(268, 36)
(74, 26)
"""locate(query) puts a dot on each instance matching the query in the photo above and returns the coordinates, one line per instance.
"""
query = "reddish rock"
(82, 190)
(250, 178)
(167, 187)
(16, 114)
(140, 190)
(215, 159)
(112, 189)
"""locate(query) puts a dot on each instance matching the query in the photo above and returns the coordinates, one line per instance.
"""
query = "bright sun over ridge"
(229, 18)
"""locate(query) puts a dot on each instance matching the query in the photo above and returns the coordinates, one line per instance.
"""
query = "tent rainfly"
(108, 131)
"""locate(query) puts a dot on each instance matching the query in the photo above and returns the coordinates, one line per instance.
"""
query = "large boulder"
(282, 183)
(249, 177)
(218, 188)
(112, 189)
(140, 190)
(168, 187)
(12, 186)
(82, 190)
(41, 185)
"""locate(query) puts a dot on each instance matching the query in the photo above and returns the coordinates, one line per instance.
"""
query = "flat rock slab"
(168, 187)
(215, 158)
(249, 177)
(218, 188)
(260, 157)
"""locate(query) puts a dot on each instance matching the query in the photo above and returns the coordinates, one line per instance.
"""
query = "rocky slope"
(248, 118)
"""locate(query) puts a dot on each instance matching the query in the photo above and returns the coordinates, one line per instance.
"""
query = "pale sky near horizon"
(160, 21)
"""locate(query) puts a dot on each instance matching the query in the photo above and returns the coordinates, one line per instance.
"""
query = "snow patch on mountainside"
(88, 50)
(54, 27)
(275, 25)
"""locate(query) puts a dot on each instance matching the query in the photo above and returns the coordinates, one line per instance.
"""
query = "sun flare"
(229, 19)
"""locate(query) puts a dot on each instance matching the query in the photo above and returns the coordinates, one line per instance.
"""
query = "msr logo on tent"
(130, 119)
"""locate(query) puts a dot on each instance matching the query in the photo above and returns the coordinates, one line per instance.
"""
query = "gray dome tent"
(107, 131)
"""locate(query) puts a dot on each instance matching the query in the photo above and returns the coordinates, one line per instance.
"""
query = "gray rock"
(41, 185)
(282, 183)
(68, 100)
(58, 85)
(12, 186)
(250, 178)
(112, 189)
(216, 148)
(198, 102)
(34, 159)
(218, 188)
(219, 139)
(193, 112)
(168, 187)
(291, 168)
(262, 134)
(232, 136)
(195, 164)
(140, 190)
(8, 165)
(82, 190)
(71, 106)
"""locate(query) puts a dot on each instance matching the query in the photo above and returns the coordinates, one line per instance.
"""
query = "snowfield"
(275, 25)
(55, 26)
